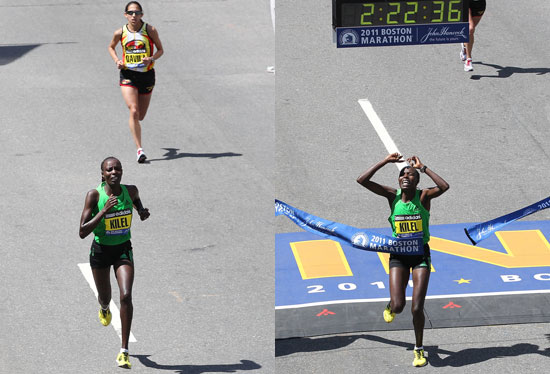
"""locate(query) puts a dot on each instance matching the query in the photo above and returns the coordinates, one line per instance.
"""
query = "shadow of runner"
(198, 369)
(285, 347)
(172, 154)
(10, 53)
(461, 358)
(508, 71)
(472, 356)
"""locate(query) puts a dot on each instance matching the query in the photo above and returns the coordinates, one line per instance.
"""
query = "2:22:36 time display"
(377, 13)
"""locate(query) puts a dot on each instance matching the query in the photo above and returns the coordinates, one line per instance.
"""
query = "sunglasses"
(134, 12)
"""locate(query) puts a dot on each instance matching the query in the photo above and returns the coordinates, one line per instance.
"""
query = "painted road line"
(428, 297)
(320, 259)
(115, 322)
(380, 130)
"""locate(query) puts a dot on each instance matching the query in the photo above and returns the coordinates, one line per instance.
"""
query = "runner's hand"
(415, 162)
(111, 202)
(144, 214)
(394, 157)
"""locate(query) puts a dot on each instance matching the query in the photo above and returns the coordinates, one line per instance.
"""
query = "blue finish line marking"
(514, 261)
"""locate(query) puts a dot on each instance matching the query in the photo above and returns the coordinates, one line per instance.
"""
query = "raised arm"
(440, 184)
(386, 191)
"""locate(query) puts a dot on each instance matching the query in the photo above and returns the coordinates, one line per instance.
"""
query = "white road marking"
(381, 130)
(410, 298)
(115, 322)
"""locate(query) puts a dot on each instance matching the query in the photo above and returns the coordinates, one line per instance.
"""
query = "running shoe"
(419, 359)
(463, 52)
(141, 156)
(105, 316)
(388, 314)
(123, 360)
(468, 65)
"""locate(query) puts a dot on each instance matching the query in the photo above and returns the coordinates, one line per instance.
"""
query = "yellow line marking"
(320, 259)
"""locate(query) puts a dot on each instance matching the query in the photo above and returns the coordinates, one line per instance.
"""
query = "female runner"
(477, 8)
(411, 208)
(108, 214)
(137, 76)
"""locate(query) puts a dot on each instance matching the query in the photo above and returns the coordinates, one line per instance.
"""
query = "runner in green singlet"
(108, 214)
(410, 214)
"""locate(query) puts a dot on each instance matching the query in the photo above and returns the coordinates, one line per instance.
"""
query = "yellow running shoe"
(123, 360)
(388, 314)
(419, 359)
(105, 316)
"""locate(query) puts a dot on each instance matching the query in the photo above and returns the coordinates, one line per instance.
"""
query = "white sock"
(417, 348)
(123, 350)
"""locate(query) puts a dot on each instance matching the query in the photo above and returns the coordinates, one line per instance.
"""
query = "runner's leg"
(421, 277)
(125, 277)
(399, 276)
(130, 95)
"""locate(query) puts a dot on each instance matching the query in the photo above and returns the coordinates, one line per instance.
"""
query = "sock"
(123, 350)
(417, 348)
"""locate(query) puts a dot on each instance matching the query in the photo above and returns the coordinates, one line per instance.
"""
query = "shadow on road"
(10, 53)
(198, 369)
(508, 71)
(461, 358)
(173, 154)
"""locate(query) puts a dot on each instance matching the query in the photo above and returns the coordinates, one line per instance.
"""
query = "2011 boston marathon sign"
(381, 23)
(349, 235)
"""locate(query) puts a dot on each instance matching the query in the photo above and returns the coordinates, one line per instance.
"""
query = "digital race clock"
(360, 23)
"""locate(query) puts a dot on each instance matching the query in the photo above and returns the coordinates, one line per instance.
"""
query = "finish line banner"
(481, 231)
(384, 36)
(350, 235)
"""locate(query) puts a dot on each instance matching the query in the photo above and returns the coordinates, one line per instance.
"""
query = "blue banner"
(482, 230)
(383, 36)
(349, 235)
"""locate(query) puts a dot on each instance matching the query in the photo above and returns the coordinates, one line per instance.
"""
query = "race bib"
(407, 226)
(134, 53)
(118, 223)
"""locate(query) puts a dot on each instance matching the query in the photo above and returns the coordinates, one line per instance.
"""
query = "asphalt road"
(484, 132)
(203, 291)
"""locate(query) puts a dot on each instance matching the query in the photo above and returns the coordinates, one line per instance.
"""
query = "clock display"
(353, 13)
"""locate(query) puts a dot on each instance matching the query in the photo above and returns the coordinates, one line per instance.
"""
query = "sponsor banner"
(384, 36)
(349, 235)
(483, 230)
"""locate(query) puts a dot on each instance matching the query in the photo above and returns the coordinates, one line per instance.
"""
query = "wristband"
(423, 169)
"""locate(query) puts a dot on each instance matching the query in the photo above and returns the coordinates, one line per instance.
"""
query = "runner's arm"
(385, 191)
(153, 33)
(112, 45)
(87, 223)
(134, 195)
(441, 184)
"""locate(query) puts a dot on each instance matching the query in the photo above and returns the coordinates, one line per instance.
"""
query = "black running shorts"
(477, 7)
(103, 256)
(414, 262)
(144, 82)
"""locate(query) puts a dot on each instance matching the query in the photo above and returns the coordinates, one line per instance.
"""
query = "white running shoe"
(468, 65)
(463, 52)
(141, 156)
